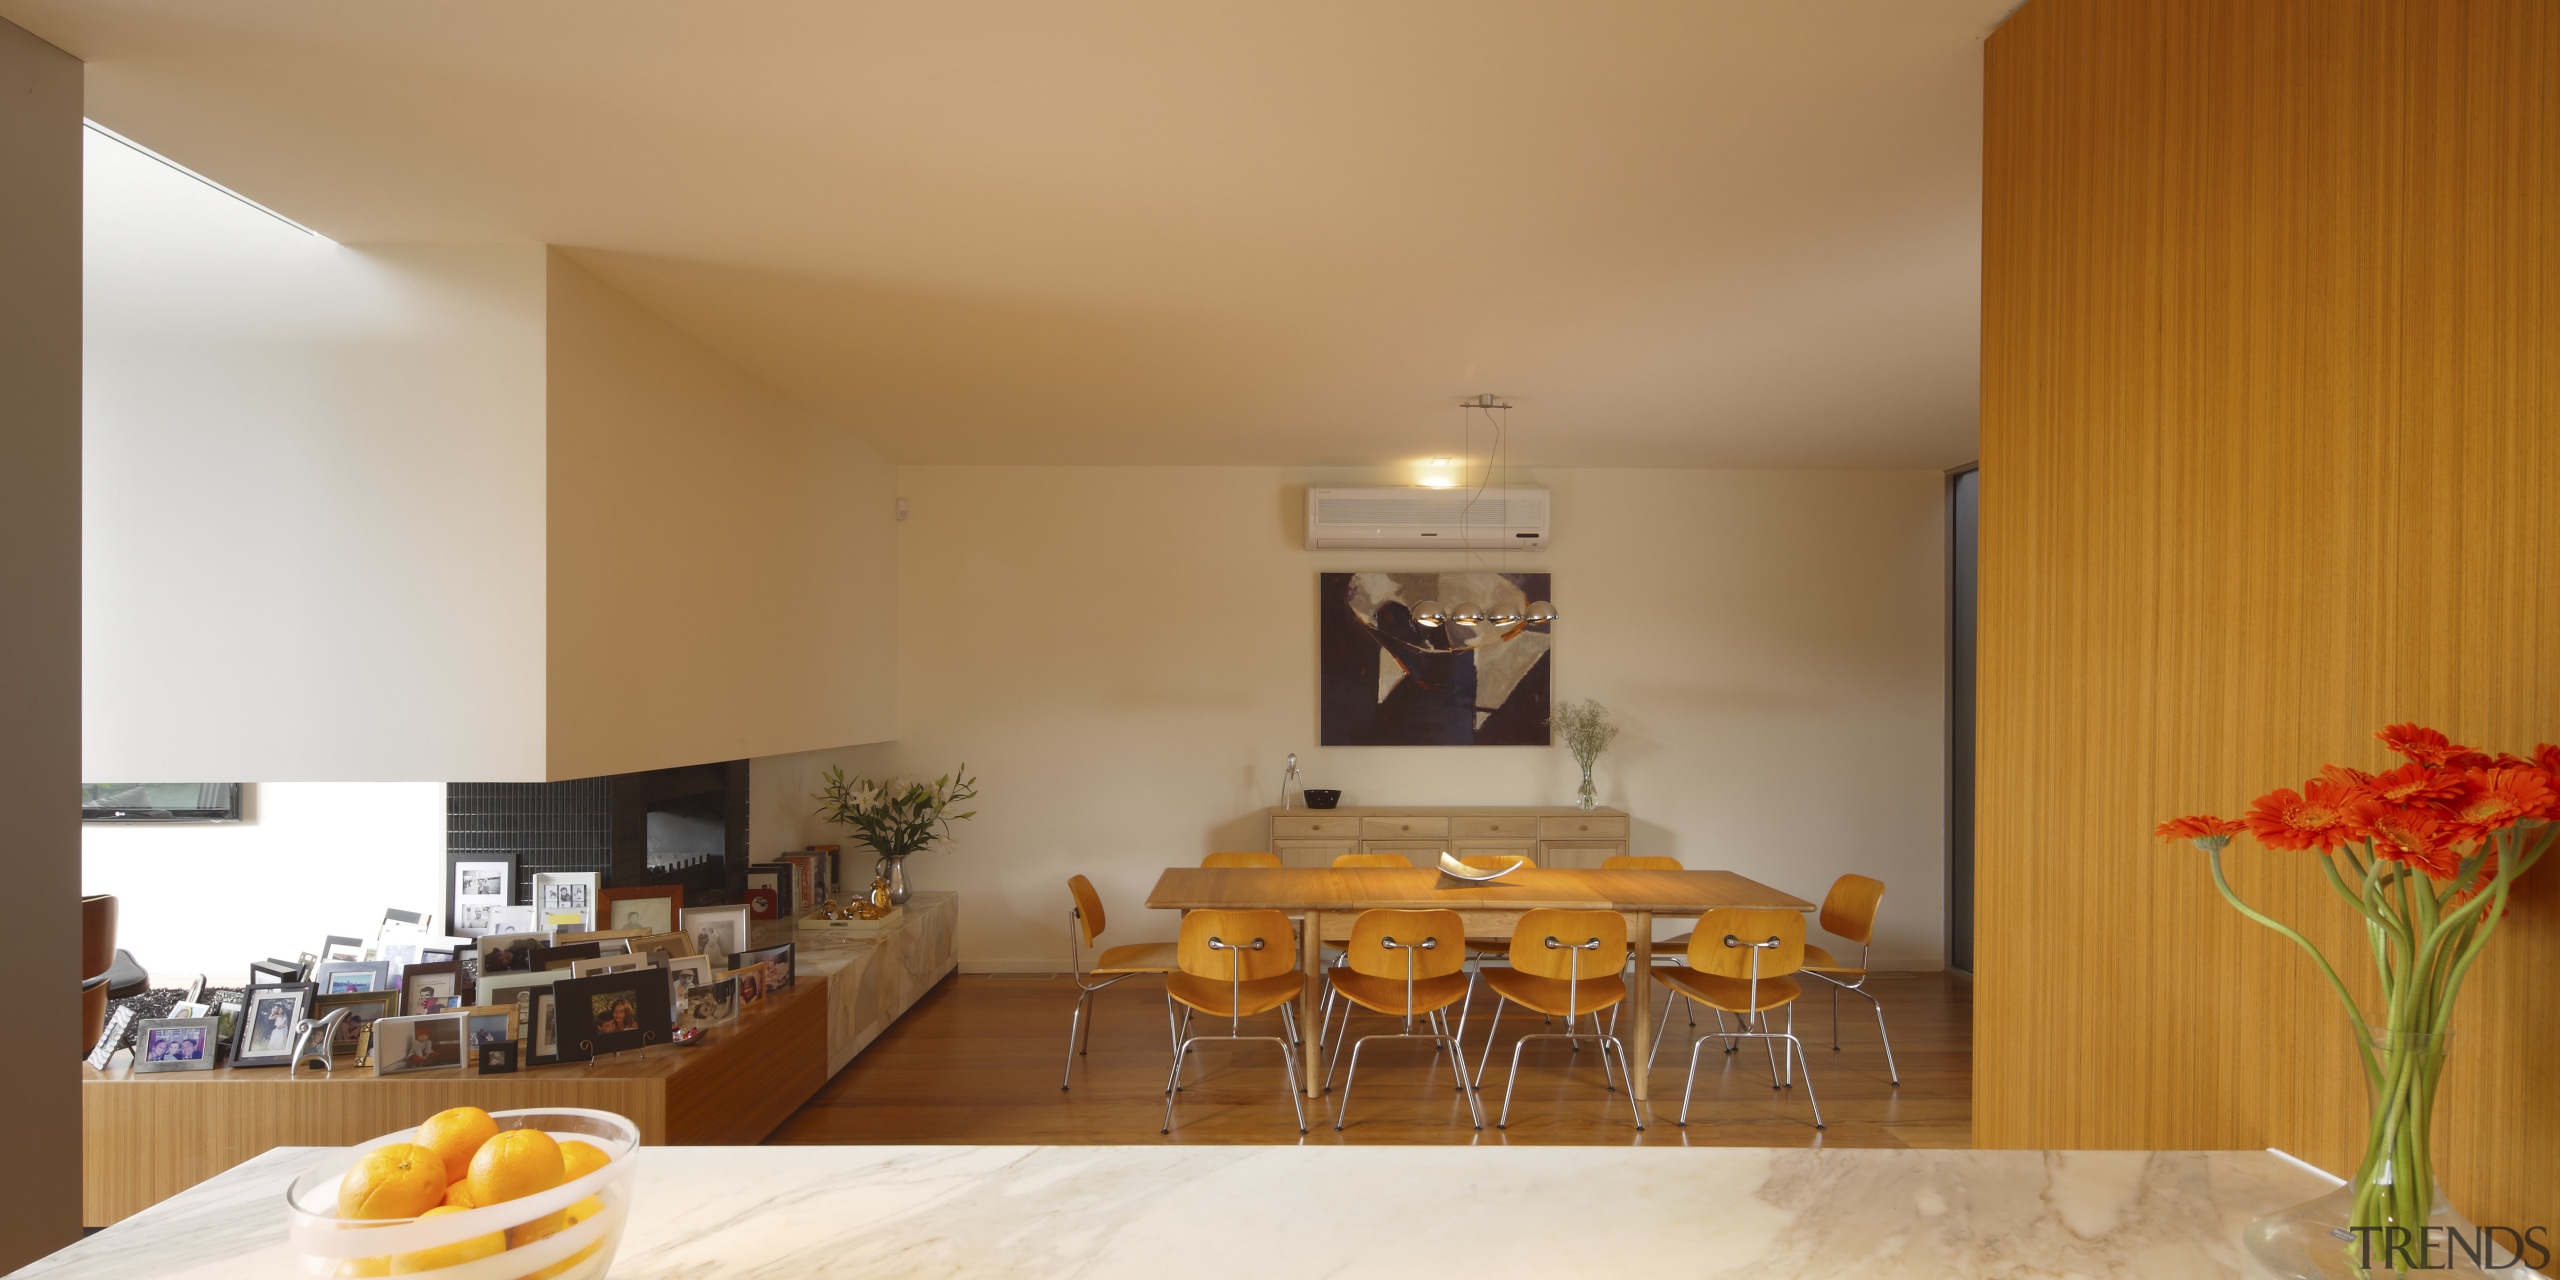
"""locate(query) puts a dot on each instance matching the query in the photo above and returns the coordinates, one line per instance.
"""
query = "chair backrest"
(1373, 860)
(1573, 930)
(1445, 930)
(1849, 910)
(1241, 860)
(1748, 927)
(1088, 908)
(1238, 931)
(1624, 863)
(1494, 861)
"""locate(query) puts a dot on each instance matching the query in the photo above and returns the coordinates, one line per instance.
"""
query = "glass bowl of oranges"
(540, 1194)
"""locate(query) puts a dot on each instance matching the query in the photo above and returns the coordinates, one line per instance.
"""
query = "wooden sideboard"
(1552, 835)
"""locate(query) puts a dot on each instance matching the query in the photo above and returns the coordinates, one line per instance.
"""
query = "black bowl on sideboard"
(1322, 797)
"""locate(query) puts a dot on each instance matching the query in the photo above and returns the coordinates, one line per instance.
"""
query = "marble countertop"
(1244, 1212)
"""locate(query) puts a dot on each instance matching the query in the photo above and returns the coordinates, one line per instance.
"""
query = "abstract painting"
(1387, 681)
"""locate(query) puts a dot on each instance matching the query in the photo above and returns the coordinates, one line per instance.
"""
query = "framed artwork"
(340, 977)
(262, 1035)
(539, 1013)
(607, 937)
(710, 1004)
(610, 1013)
(606, 964)
(176, 1044)
(496, 1059)
(560, 957)
(684, 973)
(476, 884)
(674, 944)
(510, 952)
(519, 918)
(648, 908)
(1386, 681)
(750, 980)
(418, 1043)
(503, 988)
(719, 931)
(781, 958)
(483, 1027)
(334, 947)
(431, 988)
(401, 951)
(566, 899)
(363, 1008)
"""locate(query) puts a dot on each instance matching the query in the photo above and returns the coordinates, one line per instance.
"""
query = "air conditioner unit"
(1482, 519)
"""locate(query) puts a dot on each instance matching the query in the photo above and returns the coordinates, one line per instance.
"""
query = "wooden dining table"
(1491, 908)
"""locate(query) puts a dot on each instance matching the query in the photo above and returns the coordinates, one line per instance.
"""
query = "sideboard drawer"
(1421, 853)
(1507, 827)
(1311, 826)
(1403, 828)
(1582, 855)
(1312, 853)
(1595, 826)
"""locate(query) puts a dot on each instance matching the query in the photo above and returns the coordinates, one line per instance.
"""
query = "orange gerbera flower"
(2495, 799)
(2417, 836)
(2207, 831)
(2420, 744)
(2344, 776)
(2479, 887)
(2547, 757)
(2316, 818)
(2414, 784)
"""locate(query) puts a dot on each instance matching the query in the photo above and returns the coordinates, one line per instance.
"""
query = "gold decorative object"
(877, 905)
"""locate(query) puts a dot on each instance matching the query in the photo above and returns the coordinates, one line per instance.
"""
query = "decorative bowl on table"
(450, 1245)
(1322, 797)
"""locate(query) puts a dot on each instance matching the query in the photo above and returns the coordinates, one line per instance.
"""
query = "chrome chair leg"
(1068, 1078)
(1288, 1059)
(1492, 1034)
(1891, 1072)
(1808, 1079)
(1607, 1042)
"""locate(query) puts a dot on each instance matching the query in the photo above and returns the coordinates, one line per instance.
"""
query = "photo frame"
(509, 952)
(475, 884)
(769, 891)
(539, 1014)
(610, 1013)
(498, 1059)
(602, 937)
(176, 1044)
(560, 957)
(674, 944)
(516, 918)
(782, 958)
(707, 1006)
(363, 1008)
(719, 931)
(111, 1038)
(405, 1044)
(484, 1026)
(342, 977)
(272, 972)
(566, 899)
(606, 964)
(262, 1034)
(650, 908)
(432, 988)
(504, 988)
(336, 947)
(750, 980)
(684, 973)
(400, 951)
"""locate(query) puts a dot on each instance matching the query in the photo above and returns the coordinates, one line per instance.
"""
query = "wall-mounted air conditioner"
(1484, 519)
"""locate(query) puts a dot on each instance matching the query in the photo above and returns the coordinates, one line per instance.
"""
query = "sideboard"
(1551, 835)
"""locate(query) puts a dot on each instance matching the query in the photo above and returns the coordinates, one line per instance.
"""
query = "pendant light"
(1431, 613)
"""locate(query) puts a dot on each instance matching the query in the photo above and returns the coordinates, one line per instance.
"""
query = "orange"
(365, 1267)
(447, 1255)
(575, 1214)
(401, 1180)
(455, 1136)
(458, 1195)
(578, 1159)
(516, 1163)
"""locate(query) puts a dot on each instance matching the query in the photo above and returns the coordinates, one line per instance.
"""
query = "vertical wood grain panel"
(2271, 401)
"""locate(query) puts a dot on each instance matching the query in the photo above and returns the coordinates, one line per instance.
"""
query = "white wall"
(316, 858)
(312, 543)
(1125, 654)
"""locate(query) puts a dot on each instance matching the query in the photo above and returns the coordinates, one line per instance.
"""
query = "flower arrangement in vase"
(896, 818)
(2427, 854)
(1587, 733)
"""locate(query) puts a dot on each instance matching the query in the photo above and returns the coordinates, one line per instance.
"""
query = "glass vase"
(2392, 1219)
(894, 870)
(1589, 797)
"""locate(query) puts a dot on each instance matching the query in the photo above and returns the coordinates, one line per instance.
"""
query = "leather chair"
(97, 959)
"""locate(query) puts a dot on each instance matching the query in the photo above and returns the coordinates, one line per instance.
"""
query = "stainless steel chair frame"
(1572, 1018)
(1860, 986)
(1235, 1031)
(1767, 1037)
(1085, 1009)
(1440, 1034)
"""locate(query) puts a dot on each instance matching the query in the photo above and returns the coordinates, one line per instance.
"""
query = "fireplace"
(685, 826)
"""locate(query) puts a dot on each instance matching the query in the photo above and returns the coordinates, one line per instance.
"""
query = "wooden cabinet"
(1551, 836)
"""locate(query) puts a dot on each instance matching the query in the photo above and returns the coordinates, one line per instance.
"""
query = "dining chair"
(1563, 964)
(1484, 947)
(1234, 965)
(1407, 965)
(1334, 946)
(1741, 961)
(1849, 911)
(1241, 860)
(1666, 951)
(1084, 925)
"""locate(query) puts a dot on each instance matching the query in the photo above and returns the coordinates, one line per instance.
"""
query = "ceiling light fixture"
(1431, 613)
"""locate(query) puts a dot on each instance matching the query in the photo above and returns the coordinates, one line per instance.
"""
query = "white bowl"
(325, 1244)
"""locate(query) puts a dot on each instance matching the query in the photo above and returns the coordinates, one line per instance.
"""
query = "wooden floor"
(978, 1060)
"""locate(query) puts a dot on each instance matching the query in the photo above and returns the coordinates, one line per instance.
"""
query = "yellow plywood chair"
(1084, 927)
(1234, 965)
(1407, 965)
(1241, 860)
(1742, 961)
(1337, 938)
(1666, 951)
(1564, 964)
(1481, 946)
(1849, 911)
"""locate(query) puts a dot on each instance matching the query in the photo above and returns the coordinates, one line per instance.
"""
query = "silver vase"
(893, 870)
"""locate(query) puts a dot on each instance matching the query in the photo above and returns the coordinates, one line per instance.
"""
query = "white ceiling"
(1688, 233)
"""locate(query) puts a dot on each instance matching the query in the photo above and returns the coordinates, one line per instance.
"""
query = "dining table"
(1490, 908)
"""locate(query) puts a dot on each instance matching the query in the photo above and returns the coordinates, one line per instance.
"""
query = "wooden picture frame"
(606, 964)
(505, 988)
(611, 1013)
(425, 1043)
(560, 957)
(478, 1021)
(783, 958)
(262, 1034)
(423, 995)
(660, 905)
(330, 977)
(364, 1009)
(674, 944)
(509, 952)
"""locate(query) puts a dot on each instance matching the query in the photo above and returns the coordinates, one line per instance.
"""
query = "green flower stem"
(2354, 1014)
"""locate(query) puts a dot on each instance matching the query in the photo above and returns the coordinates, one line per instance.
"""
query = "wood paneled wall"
(2270, 457)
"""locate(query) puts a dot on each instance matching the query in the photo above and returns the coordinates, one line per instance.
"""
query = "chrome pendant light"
(1433, 614)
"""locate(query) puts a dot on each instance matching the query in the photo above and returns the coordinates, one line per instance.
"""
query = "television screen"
(160, 802)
